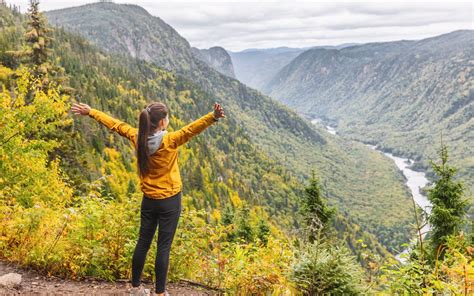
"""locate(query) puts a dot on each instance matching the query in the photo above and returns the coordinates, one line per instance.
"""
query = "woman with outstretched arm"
(160, 180)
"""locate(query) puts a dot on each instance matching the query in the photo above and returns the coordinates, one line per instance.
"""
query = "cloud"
(249, 24)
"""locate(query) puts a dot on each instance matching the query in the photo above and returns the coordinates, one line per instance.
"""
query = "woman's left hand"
(218, 111)
(80, 109)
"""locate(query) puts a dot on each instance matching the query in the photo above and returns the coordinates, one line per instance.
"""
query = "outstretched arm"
(122, 128)
(184, 134)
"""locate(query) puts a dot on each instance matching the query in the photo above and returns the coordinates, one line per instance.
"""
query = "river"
(415, 180)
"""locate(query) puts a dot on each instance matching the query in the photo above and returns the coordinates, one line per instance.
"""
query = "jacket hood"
(154, 141)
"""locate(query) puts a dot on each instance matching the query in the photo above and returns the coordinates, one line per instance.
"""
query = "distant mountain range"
(255, 67)
(346, 169)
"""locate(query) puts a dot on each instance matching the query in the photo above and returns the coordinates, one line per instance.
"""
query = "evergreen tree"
(449, 205)
(317, 215)
(227, 215)
(38, 37)
(244, 230)
(263, 230)
(37, 53)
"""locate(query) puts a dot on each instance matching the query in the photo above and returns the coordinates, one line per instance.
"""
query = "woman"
(160, 180)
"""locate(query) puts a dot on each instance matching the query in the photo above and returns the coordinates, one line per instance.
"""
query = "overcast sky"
(243, 24)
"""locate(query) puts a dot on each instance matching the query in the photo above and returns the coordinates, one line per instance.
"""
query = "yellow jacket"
(164, 179)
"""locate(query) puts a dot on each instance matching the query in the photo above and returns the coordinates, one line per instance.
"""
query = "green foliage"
(263, 230)
(325, 269)
(449, 205)
(36, 53)
(451, 275)
(450, 267)
(244, 231)
(316, 214)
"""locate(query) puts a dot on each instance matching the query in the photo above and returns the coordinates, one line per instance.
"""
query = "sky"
(243, 24)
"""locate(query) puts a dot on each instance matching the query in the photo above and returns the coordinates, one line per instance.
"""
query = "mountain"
(217, 58)
(400, 95)
(255, 67)
(366, 187)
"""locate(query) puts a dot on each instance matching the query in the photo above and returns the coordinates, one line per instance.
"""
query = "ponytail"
(148, 121)
(142, 149)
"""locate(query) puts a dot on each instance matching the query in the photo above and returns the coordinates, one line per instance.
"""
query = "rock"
(10, 280)
(34, 283)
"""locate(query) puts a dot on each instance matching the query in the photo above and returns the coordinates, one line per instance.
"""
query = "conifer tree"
(263, 230)
(244, 230)
(449, 205)
(37, 52)
(227, 215)
(316, 213)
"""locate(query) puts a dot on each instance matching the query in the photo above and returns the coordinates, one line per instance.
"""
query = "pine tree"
(449, 205)
(244, 230)
(38, 37)
(37, 53)
(227, 215)
(263, 230)
(317, 215)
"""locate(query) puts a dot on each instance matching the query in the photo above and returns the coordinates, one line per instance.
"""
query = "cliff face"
(216, 57)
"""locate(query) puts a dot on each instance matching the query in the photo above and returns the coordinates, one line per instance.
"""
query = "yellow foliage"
(235, 199)
(5, 74)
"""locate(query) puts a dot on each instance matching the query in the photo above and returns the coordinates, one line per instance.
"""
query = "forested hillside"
(256, 67)
(363, 184)
(401, 95)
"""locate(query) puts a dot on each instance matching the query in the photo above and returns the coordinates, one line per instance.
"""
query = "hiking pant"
(164, 213)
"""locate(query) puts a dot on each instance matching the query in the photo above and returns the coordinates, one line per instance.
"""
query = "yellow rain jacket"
(164, 179)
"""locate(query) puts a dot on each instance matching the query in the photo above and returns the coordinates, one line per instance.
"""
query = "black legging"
(165, 213)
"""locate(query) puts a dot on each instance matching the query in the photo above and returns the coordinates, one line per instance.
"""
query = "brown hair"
(148, 122)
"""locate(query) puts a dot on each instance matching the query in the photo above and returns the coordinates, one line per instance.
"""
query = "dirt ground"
(36, 284)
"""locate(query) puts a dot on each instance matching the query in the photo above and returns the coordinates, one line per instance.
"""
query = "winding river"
(414, 180)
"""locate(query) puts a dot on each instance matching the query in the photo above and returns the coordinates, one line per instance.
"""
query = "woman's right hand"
(80, 109)
(218, 111)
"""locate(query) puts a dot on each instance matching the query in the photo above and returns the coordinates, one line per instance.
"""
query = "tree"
(316, 213)
(227, 215)
(244, 229)
(263, 230)
(37, 53)
(321, 268)
(449, 205)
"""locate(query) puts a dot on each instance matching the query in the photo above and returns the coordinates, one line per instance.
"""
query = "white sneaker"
(139, 291)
